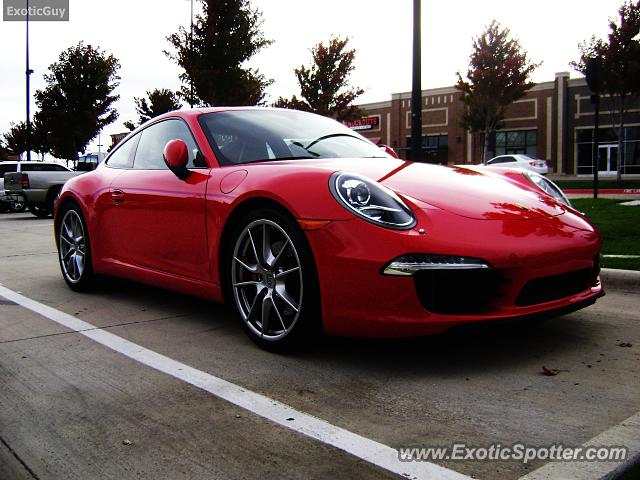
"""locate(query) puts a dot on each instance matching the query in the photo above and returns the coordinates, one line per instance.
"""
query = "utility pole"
(595, 78)
(191, 42)
(416, 88)
(28, 74)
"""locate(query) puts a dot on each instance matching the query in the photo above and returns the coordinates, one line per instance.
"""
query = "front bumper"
(359, 300)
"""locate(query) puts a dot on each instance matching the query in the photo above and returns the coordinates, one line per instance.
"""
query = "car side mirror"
(176, 156)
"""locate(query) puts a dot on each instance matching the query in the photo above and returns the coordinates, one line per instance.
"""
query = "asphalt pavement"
(71, 407)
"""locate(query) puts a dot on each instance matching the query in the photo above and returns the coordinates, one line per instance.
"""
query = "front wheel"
(40, 211)
(273, 282)
(74, 250)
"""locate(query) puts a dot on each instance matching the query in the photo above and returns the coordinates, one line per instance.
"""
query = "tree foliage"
(498, 75)
(157, 102)
(78, 100)
(324, 86)
(225, 36)
(15, 139)
(620, 55)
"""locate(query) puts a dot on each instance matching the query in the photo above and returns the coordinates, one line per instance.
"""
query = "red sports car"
(307, 227)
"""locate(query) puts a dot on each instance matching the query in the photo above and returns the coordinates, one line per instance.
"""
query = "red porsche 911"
(305, 227)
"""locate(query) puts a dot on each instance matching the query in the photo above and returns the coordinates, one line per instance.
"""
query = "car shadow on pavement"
(463, 350)
(17, 217)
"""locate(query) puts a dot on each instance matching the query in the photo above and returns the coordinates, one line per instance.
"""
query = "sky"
(135, 32)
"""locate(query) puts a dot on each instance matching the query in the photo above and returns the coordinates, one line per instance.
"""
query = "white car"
(519, 160)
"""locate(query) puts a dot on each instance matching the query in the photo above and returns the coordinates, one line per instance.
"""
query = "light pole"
(594, 74)
(416, 88)
(191, 47)
(28, 73)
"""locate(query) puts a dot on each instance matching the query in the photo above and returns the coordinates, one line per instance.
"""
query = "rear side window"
(122, 157)
(44, 167)
(12, 167)
(498, 160)
(149, 155)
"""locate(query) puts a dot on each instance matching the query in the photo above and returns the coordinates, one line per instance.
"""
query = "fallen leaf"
(551, 372)
(625, 344)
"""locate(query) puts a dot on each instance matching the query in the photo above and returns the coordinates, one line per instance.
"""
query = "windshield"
(246, 136)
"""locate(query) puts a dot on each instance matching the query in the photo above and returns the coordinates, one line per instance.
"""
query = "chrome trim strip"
(409, 268)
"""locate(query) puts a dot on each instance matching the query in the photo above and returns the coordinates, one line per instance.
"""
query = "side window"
(59, 168)
(153, 140)
(122, 157)
(44, 167)
(12, 167)
(496, 161)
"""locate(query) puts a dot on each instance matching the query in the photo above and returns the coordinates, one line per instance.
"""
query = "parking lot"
(72, 407)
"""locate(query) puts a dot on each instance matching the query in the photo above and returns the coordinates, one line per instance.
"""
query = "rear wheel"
(74, 249)
(272, 280)
(40, 211)
(18, 206)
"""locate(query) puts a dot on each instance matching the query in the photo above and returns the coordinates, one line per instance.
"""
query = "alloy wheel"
(267, 280)
(72, 249)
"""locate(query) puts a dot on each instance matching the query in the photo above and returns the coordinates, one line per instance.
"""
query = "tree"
(498, 75)
(160, 101)
(78, 100)
(225, 36)
(324, 86)
(620, 57)
(5, 153)
(40, 134)
(16, 138)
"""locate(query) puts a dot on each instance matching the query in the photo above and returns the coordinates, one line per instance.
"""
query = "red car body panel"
(157, 229)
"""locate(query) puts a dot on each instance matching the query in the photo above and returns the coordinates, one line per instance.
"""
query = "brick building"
(554, 121)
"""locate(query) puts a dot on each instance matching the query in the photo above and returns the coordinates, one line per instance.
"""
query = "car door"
(160, 218)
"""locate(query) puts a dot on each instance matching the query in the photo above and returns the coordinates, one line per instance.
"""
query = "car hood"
(460, 190)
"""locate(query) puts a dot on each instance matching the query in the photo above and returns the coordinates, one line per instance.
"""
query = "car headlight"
(547, 186)
(371, 201)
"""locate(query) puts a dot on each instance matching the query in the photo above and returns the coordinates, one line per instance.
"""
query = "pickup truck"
(37, 184)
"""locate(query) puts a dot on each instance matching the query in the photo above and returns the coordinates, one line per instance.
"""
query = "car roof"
(190, 112)
(30, 162)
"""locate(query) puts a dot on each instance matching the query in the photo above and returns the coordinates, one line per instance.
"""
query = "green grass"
(619, 226)
(585, 184)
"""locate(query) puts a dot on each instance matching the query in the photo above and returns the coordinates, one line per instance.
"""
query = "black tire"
(40, 211)
(286, 291)
(74, 249)
(52, 196)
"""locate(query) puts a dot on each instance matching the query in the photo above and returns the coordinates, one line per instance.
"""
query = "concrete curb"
(620, 279)
(629, 470)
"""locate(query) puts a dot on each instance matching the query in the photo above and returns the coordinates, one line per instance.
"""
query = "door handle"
(117, 195)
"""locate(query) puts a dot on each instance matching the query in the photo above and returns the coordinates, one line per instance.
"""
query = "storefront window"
(608, 150)
(435, 148)
(517, 141)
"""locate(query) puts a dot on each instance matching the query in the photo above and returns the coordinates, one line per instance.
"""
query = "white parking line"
(368, 450)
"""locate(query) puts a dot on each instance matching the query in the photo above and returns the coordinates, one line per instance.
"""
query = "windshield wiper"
(331, 135)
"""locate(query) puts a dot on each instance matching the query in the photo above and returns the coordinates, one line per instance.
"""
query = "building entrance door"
(607, 159)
